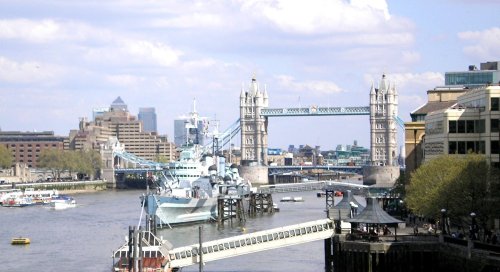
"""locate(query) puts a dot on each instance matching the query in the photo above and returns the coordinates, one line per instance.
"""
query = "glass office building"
(489, 73)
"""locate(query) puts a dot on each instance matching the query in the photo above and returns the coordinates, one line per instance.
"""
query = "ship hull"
(176, 210)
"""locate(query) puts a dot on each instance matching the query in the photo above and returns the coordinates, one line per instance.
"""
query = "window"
(452, 147)
(494, 125)
(480, 147)
(479, 126)
(452, 126)
(495, 101)
(461, 148)
(494, 147)
(461, 126)
(470, 147)
(470, 126)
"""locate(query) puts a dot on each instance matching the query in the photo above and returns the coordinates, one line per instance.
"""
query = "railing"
(252, 242)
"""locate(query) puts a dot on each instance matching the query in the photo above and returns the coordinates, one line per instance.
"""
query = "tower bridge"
(253, 128)
(383, 111)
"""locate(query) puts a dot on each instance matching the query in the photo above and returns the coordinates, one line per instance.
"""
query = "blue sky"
(60, 59)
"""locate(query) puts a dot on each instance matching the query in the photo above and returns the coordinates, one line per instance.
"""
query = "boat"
(9, 193)
(18, 201)
(41, 197)
(292, 199)
(187, 191)
(180, 198)
(62, 202)
(20, 241)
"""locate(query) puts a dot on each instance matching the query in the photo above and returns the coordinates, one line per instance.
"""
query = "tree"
(52, 159)
(460, 185)
(5, 157)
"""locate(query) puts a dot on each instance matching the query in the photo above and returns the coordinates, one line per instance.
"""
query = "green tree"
(5, 157)
(460, 185)
(52, 159)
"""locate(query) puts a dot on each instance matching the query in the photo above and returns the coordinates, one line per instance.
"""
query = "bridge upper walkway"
(251, 242)
(314, 110)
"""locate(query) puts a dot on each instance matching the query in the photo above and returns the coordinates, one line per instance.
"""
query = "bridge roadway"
(272, 169)
(251, 242)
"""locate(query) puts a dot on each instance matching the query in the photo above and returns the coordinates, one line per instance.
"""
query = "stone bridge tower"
(253, 133)
(383, 169)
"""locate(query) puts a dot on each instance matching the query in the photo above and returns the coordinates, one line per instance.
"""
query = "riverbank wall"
(68, 187)
(412, 253)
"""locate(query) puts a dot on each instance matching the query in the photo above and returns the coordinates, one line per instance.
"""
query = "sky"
(60, 59)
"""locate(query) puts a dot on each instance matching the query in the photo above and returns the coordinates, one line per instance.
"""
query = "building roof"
(373, 214)
(347, 199)
(433, 106)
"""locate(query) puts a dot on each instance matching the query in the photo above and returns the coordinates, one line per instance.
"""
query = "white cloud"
(29, 72)
(410, 83)
(197, 19)
(48, 30)
(320, 16)
(134, 52)
(124, 80)
(410, 57)
(312, 87)
(485, 44)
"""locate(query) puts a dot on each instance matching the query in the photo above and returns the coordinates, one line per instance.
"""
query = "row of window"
(30, 145)
(465, 147)
(471, 126)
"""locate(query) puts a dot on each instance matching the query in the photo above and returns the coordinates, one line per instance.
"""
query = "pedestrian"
(415, 229)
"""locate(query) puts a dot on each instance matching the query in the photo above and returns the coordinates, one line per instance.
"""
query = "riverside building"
(440, 98)
(26, 147)
(471, 125)
(118, 122)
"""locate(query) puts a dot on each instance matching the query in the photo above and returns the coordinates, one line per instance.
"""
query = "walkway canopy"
(373, 214)
(348, 201)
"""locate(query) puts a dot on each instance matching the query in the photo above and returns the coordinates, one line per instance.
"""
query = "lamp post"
(443, 220)
(473, 226)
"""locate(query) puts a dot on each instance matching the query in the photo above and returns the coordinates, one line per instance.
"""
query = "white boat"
(9, 193)
(62, 202)
(18, 201)
(41, 196)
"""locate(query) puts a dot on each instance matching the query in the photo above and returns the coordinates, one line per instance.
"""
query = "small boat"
(286, 199)
(292, 199)
(62, 202)
(20, 241)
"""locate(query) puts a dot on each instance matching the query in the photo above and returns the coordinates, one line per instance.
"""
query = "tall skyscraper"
(191, 129)
(148, 118)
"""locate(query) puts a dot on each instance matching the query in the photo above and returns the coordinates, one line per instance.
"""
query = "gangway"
(251, 243)
(331, 185)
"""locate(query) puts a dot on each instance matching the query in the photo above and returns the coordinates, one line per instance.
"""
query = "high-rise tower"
(253, 125)
(383, 131)
(383, 168)
(148, 118)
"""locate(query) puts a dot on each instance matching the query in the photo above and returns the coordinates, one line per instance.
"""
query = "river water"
(84, 238)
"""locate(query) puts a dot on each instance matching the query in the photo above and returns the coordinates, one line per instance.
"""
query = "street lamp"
(443, 220)
(473, 226)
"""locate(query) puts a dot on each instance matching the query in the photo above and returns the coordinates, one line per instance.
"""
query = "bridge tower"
(253, 133)
(383, 168)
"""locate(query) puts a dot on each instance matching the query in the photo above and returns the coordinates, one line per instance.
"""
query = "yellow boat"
(20, 241)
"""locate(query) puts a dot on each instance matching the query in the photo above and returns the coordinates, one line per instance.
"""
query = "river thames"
(84, 238)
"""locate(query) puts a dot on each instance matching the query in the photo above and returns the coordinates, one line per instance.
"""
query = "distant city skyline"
(57, 65)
